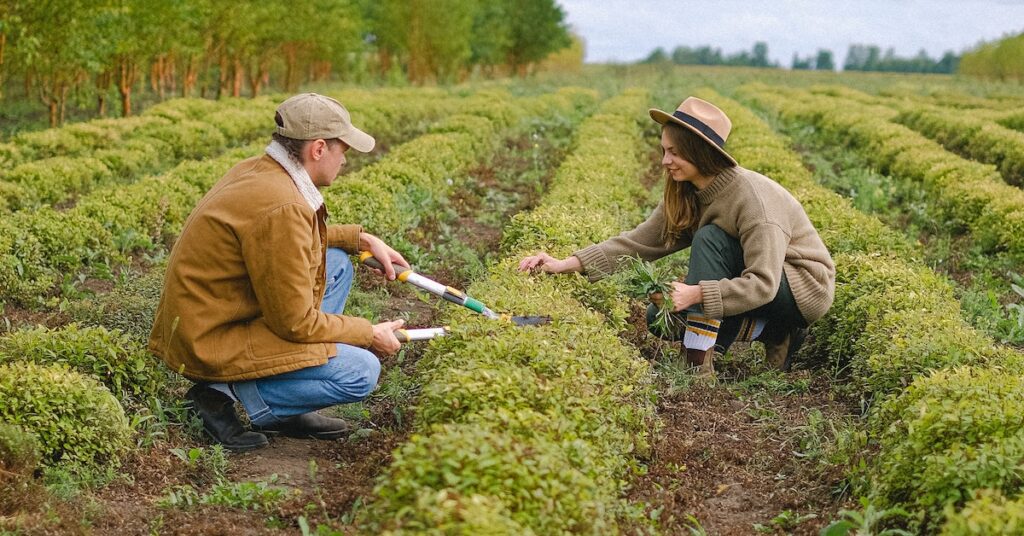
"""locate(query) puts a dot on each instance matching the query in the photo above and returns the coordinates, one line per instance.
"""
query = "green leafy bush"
(988, 512)
(74, 417)
(122, 363)
(19, 458)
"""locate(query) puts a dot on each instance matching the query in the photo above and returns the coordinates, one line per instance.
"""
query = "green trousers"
(715, 255)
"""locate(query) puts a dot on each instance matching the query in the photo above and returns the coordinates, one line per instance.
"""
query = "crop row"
(977, 134)
(94, 362)
(946, 416)
(64, 163)
(969, 193)
(42, 249)
(533, 430)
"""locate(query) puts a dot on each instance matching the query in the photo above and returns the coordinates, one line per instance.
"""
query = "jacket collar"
(298, 174)
(718, 185)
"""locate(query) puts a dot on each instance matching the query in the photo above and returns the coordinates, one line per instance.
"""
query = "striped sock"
(701, 331)
(750, 328)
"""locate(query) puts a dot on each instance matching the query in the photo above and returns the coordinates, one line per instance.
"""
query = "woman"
(758, 269)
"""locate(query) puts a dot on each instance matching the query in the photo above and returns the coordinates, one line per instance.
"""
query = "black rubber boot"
(310, 425)
(217, 411)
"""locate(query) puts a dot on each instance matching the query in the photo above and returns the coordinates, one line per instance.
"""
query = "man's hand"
(387, 256)
(549, 264)
(685, 296)
(384, 340)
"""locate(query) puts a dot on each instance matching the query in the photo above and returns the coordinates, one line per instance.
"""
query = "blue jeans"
(347, 377)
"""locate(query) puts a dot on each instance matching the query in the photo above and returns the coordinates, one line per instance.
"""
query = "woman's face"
(678, 168)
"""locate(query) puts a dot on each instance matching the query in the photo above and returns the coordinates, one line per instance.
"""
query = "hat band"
(700, 126)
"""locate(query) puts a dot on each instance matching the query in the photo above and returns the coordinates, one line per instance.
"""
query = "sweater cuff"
(712, 292)
(595, 263)
(358, 332)
(345, 237)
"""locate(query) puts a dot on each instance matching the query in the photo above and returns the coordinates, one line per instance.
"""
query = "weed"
(787, 521)
(865, 522)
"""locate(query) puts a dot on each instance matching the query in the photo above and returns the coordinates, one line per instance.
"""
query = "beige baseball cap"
(311, 116)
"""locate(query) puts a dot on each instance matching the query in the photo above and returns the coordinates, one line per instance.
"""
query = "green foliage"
(998, 59)
(541, 422)
(19, 458)
(948, 434)
(988, 512)
(261, 495)
(74, 417)
(204, 465)
(446, 512)
(865, 522)
(120, 362)
(643, 281)
(474, 460)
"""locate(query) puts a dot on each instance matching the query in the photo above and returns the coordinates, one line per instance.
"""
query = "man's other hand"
(384, 340)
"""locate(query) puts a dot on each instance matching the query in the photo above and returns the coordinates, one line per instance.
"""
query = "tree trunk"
(290, 60)
(127, 72)
(222, 76)
(239, 76)
(3, 45)
(188, 81)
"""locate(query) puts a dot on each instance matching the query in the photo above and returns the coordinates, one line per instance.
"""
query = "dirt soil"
(730, 456)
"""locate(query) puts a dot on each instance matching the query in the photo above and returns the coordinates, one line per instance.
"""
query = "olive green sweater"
(774, 233)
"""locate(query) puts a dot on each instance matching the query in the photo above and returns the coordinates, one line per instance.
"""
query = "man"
(256, 283)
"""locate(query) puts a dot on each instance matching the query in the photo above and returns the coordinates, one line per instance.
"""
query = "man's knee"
(363, 372)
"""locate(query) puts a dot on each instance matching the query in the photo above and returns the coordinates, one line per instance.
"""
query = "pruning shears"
(450, 294)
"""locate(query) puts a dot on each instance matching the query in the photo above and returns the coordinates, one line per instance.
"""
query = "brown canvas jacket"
(244, 282)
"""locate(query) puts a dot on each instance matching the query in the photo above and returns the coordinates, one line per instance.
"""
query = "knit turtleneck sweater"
(774, 233)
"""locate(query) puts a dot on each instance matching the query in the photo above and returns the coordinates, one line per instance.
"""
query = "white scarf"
(298, 174)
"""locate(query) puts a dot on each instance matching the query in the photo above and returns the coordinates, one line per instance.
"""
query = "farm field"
(905, 409)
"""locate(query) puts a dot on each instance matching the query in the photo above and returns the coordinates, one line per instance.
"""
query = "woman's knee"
(710, 234)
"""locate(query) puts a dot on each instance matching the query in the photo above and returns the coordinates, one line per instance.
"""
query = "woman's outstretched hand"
(685, 296)
(544, 262)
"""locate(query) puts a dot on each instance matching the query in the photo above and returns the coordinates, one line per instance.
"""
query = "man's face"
(328, 160)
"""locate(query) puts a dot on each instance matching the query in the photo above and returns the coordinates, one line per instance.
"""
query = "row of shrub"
(94, 362)
(975, 133)
(64, 163)
(534, 430)
(977, 138)
(44, 248)
(945, 419)
(968, 193)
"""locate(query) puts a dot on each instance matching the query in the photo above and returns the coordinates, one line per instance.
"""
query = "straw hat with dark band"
(703, 119)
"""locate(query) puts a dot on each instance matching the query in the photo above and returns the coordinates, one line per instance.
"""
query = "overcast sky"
(628, 30)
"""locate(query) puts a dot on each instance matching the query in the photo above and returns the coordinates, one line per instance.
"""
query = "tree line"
(57, 49)
(1002, 59)
(858, 58)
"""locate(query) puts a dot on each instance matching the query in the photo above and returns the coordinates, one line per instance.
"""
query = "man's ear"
(317, 148)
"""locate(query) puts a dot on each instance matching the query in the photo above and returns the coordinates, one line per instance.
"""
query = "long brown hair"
(682, 211)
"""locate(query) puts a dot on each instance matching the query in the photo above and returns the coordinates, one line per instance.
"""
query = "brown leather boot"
(703, 361)
(780, 349)
(310, 425)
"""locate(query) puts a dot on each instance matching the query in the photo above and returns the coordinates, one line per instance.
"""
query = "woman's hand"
(383, 253)
(549, 264)
(685, 296)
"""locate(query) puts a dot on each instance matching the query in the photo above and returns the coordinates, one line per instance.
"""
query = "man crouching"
(256, 284)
